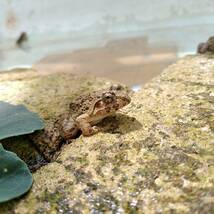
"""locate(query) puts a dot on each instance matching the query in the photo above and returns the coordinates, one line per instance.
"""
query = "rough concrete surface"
(156, 156)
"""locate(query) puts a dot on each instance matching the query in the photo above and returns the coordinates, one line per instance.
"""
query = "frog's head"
(110, 102)
(116, 99)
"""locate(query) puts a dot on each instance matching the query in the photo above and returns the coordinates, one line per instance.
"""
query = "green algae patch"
(155, 156)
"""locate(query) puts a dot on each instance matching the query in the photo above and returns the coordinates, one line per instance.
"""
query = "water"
(132, 58)
(131, 61)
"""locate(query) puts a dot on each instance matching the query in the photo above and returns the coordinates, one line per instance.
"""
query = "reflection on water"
(130, 61)
(133, 60)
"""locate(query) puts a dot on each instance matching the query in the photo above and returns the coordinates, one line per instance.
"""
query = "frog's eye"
(108, 97)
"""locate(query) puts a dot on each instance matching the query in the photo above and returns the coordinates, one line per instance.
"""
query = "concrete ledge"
(156, 157)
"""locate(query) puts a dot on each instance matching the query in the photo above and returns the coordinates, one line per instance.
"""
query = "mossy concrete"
(47, 95)
(156, 156)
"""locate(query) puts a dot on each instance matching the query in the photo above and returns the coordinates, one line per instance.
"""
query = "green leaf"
(17, 120)
(15, 177)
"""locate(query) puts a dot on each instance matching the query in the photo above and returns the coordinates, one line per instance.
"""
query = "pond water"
(132, 58)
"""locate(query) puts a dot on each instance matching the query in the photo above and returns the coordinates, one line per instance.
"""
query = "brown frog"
(82, 115)
(207, 46)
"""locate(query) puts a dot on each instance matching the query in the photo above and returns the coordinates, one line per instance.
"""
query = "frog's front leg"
(84, 125)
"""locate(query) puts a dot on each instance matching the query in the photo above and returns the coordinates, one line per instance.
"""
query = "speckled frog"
(82, 115)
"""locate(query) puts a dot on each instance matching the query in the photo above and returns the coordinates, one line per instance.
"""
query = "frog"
(82, 115)
(207, 46)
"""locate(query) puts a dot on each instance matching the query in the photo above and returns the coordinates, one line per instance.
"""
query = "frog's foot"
(55, 155)
(90, 130)
(84, 125)
(95, 129)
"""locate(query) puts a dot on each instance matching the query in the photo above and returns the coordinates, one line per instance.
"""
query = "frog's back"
(83, 103)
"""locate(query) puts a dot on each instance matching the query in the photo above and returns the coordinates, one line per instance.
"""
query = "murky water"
(132, 58)
(131, 61)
